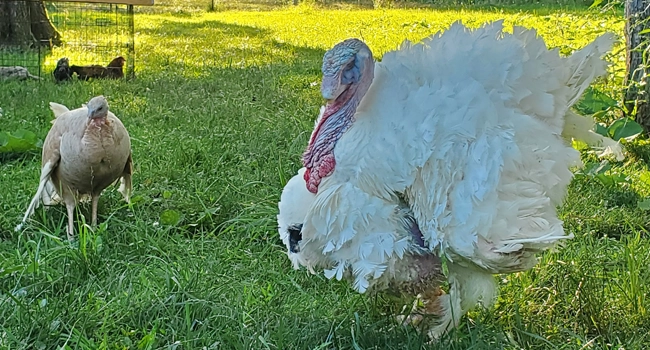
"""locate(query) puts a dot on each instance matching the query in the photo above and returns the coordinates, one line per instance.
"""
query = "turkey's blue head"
(348, 70)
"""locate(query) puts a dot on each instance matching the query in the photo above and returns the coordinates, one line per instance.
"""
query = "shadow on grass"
(208, 44)
(539, 7)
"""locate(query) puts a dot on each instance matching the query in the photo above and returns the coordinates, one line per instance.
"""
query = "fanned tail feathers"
(587, 65)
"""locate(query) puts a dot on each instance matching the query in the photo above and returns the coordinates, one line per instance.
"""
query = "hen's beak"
(92, 113)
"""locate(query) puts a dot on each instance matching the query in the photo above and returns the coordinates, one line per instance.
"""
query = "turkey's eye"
(350, 74)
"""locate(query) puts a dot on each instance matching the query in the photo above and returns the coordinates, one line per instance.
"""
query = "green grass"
(219, 114)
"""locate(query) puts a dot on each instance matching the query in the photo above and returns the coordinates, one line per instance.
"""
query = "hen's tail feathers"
(581, 128)
(45, 178)
(125, 181)
(125, 187)
(58, 109)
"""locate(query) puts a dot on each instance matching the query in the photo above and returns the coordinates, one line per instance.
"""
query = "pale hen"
(85, 151)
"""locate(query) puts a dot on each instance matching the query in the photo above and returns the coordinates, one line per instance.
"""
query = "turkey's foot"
(425, 306)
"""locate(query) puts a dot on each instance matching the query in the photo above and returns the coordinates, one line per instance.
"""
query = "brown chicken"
(85, 151)
(87, 72)
(114, 70)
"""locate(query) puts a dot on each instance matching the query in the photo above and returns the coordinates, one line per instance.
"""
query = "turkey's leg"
(425, 304)
(468, 287)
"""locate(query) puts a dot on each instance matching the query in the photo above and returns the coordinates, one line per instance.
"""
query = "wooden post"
(637, 13)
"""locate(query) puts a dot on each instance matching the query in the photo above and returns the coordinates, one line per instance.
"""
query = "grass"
(220, 112)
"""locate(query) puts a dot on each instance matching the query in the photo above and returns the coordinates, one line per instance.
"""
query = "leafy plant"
(20, 141)
(601, 106)
(603, 172)
(623, 128)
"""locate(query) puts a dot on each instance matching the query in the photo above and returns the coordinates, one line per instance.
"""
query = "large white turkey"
(456, 148)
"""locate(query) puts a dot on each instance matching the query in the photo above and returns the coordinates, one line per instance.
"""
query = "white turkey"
(457, 148)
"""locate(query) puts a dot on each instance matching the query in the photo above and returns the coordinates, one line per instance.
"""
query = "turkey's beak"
(331, 88)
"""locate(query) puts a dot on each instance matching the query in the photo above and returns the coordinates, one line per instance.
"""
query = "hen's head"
(63, 62)
(117, 62)
(348, 70)
(97, 107)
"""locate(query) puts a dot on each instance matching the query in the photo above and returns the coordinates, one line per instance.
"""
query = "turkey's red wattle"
(324, 168)
(319, 156)
(337, 118)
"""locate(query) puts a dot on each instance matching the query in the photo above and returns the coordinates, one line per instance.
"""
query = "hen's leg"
(95, 201)
(69, 206)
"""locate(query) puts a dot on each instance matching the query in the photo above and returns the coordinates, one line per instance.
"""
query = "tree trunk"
(25, 23)
(42, 27)
(637, 14)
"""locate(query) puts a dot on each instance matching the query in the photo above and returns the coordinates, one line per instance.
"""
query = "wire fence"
(96, 33)
(91, 34)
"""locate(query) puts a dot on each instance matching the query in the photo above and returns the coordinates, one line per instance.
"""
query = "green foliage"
(639, 149)
(597, 102)
(603, 108)
(624, 128)
(19, 141)
(222, 107)
(170, 217)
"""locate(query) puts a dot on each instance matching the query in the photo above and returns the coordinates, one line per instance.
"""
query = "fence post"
(131, 57)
